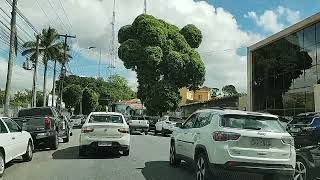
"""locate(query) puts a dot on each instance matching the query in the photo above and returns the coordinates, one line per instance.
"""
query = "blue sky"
(240, 24)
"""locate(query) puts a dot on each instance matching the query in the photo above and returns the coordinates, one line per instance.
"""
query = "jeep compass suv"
(222, 141)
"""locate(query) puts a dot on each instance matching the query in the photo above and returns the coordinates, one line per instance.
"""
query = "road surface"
(148, 160)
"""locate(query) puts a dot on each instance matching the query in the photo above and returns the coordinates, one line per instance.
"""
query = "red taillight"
(47, 123)
(123, 130)
(86, 130)
(225, 136)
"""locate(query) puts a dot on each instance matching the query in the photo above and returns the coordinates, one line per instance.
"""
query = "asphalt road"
(148, 160)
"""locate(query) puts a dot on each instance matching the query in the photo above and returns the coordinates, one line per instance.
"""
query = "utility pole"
(66, 36)
(13, 35)
(34, 91)
(100, 64)
(145, 7)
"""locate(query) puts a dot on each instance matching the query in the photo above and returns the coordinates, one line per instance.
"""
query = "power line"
(65, 13)
(50, 22)
(62, 24)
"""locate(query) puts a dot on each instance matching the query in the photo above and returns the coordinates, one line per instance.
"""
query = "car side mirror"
(179, 125)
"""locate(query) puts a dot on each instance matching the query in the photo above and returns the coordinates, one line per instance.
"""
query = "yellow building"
(201, 95)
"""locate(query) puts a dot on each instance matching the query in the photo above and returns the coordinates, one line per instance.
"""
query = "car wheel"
(126, 152)
(67, 139)
(54, 142)
(173, 158)
(162, 132)
(29, 154)
(2, 164)
(146, 132)
(202, 167)
(82, 151)
(301, 171)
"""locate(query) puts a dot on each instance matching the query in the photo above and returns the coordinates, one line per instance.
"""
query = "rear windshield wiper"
(253, 128)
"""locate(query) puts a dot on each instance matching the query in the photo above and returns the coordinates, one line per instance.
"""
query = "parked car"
(105, 130)
(166, 125)
(76, 120)
(139, 123)
(45, 124)
(305, 128)
(152, 122)
(14, 142)
(308, 163)
(221, 141)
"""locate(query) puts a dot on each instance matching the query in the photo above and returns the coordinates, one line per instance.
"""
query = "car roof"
(237, 112)
(110, 113)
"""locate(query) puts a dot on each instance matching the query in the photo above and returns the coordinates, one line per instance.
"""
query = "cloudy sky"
(228, 27)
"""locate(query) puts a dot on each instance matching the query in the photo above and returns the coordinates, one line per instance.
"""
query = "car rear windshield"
(260, 123)
(105, 118)
(35, 112)
(138, 118)
(301, 120)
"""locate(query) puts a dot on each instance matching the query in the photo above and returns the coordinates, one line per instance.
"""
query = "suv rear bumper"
(256, 168)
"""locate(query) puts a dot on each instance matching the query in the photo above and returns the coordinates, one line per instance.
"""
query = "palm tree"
(49, 49)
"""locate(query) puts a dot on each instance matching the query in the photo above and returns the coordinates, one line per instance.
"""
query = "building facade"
(201, 95)
(284, 70)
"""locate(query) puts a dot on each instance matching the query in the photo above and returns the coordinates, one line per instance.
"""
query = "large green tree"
(229, 90)
(164, 58)
(49, 49)
(90, 101)
(72, 95)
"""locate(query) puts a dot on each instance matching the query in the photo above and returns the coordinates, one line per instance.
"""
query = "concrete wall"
(316, 89)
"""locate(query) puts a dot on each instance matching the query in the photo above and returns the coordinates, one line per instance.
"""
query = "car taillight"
(123, 130)
(47, 122)
(225, 136)
(86, 130)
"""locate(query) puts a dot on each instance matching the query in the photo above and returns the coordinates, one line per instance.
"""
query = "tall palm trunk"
(54, 83)
(45, 84)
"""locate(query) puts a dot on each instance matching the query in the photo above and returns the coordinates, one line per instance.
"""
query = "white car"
(105, 130)
(76, 120)
(220, 141)
(13, 143)
(166, 125)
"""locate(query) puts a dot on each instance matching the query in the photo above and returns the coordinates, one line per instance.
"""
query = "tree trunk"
(54, 83)
(45, 84)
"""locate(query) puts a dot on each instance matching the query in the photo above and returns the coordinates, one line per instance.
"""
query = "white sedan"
(105, 130)
(13, 143)
(166, 125)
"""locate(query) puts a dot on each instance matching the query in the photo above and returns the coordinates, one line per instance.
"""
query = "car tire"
(82, 151)
(54, 143)
(146, 132)
(174, 161)
(67, 139)
(302, 170)
(162, 132)
(126, 152)
(202, 167)
(29, 154)
(2, 164)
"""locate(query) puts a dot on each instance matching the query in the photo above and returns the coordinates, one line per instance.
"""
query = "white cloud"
(275, 20)
(91, 23)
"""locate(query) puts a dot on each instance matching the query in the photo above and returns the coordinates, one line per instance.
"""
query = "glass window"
(35, 112)
(261, 123)
(318, 32)
(190, 122)
(309, 36)
(310, 56)
(105, 118)
(296, 39)
(203, 119)
(3, 128)
(12, 126)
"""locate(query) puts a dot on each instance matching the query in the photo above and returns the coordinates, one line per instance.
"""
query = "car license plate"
(259, 142)
(104, 144)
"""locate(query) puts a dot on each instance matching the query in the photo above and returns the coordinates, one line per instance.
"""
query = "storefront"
(284, 70)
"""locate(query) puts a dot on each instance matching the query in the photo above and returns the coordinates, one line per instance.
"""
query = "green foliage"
(71, 95)
(21, 99)
(229, 90)
(215, 92)
(163, 57)
(90, 101)
(192, 34)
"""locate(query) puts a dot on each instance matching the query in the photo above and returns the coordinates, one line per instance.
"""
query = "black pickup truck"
(45, 124)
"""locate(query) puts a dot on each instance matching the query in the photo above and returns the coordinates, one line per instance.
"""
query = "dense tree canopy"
(90, 100)
(229, 90)
(164, 58)
(72, 95)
